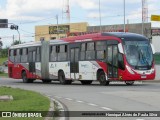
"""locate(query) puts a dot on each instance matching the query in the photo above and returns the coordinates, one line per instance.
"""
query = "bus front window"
(139, 54)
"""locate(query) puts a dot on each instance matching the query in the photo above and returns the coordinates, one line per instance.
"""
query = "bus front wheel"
(102, 79)
(129, 82)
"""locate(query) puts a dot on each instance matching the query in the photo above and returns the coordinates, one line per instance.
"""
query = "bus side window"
(38, 54)
(20, 52)
(62, 55)
(53, 53)
(101, 50)
(90, 53)
(26, 51)
(57, 48)
(66, 48)
(15, 52)
(24, 56)
(11, 53)
(17, 56)
(11, 57)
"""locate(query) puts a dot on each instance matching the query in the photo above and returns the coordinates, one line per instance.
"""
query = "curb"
(54, 103)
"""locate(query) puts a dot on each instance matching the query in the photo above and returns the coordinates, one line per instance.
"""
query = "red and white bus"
(104, 57)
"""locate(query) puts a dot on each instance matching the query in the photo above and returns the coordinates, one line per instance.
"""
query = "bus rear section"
(24, 61)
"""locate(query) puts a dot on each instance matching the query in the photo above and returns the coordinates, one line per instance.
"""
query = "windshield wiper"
(144, 58)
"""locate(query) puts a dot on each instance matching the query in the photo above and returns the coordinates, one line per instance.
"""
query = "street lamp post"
(57, 26)
(19, 36)
(100, 16)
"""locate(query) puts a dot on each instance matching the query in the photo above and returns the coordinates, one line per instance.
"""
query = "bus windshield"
(139, 54)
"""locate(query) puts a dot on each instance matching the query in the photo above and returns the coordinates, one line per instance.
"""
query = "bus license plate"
(143, 76)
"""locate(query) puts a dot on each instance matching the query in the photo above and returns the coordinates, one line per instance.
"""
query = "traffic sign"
(3, 23)
(155, 17)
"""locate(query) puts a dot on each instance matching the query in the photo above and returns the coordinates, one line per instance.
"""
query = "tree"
(16, 42)
(4, 52)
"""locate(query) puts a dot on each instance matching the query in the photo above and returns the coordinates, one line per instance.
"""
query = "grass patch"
(157, 58)
(3, 74)
(23, 100)
(3, 60)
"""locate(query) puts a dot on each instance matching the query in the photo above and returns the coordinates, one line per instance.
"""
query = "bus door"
(112, 61)
(32, 59)
(74, 64)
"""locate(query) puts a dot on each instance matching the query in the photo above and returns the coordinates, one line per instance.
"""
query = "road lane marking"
(79, 101)
(68, 99)
(139, 119)
(92, 104)
(106, 108)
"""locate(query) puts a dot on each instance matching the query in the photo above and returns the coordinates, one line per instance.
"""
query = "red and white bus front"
(138, 59)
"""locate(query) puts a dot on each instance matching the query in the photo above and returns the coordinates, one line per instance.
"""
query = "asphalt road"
(115, 97)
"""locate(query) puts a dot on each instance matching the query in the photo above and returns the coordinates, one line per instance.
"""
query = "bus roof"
(109, 35)
(38, 43)
(124, 35)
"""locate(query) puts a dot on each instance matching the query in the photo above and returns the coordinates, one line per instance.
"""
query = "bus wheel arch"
(61, 77)
(129, 82)
(101, 77)
(25, 78)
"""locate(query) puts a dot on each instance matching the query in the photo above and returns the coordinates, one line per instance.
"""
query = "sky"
(30, 13)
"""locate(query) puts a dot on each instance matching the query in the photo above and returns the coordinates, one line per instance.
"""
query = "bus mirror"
(120, 48)
(153, 49)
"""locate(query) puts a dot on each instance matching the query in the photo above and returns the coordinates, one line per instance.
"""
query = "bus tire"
(102, 79)
(61, 78)
(86, 82)
(129, 82)
(25, 79)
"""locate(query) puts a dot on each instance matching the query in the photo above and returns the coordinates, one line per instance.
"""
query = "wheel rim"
(24, 77)
(102, 79)
(129, 82)
(62, 78)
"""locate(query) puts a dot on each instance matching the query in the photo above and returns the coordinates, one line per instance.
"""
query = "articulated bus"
(104, 57)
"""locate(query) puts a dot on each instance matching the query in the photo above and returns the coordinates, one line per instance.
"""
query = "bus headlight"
(152, 70)
(129, 69)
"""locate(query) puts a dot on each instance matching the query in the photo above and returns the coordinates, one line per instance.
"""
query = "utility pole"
(144, 14)
(124, 16)
(100, 27)
(57, 27)
(13, 39)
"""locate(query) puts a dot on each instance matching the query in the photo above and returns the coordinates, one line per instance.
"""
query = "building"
(133, 28)
(156, 39)
(51, 32)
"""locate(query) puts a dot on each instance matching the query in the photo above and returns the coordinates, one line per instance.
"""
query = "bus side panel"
(38, 69)
(88, 70)
(54, 67)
